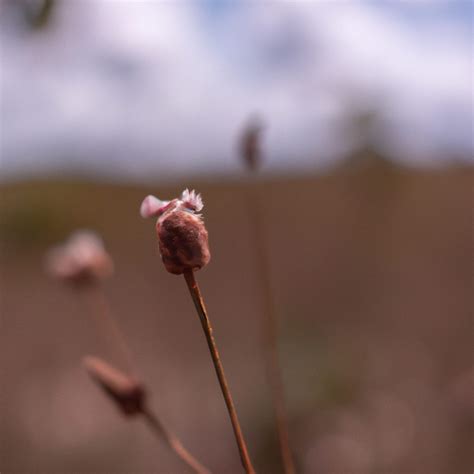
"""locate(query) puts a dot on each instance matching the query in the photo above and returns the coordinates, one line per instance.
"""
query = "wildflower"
(81, 259)
(184, 248)
(127, 393)
(182, 236)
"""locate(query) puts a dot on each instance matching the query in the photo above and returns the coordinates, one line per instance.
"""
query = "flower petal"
(151, 206)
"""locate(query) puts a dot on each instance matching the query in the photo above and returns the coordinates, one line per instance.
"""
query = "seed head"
(182, 236)
(250, 144)
(127, 393)
(82, 259)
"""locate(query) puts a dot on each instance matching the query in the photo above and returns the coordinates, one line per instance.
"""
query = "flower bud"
(82, 259)
(182, 236)
(126, 393)
(250, 144)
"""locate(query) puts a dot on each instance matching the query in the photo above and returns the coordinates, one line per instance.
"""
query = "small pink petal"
(151, 206)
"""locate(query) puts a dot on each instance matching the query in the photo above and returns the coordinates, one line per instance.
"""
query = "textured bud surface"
(182, 236)
(183, 242)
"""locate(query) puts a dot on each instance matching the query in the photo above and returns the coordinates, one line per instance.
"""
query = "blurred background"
(366, 155)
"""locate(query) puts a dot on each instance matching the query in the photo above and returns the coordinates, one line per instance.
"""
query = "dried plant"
(250, 144)
(126, 392)
(81, 260)
(83, 263)
(182, 237)
(184, 248)
(130, 397)
(251, 154)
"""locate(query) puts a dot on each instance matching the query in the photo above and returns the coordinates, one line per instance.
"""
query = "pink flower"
(182, 236)
(81, 259)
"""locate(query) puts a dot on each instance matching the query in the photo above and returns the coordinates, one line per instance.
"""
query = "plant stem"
(173, 442)
(269, 332)
(108, 325)
(110, 328)
(206, 325)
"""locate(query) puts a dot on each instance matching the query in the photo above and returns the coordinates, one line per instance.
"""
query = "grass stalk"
(110, 328)
(269, 329)
(108, 325)
(206, 325)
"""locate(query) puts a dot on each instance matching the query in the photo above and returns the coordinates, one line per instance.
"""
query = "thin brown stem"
(111, 330)
(206, 325)
(108, 326)
(173, 442)
(269, 332)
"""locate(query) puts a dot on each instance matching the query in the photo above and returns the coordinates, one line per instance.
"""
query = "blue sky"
(135, 90)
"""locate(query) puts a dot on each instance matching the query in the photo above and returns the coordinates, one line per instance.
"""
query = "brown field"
(371, 269)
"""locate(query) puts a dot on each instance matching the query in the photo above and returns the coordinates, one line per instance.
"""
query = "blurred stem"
(173, 442)
(106, 321)
(269, 330)
(108, 326)
(39, 15)
(206, 325)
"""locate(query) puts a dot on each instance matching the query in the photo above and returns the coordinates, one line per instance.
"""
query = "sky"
(141, 90)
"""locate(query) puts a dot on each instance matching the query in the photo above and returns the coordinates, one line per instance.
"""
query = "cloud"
(148, 88)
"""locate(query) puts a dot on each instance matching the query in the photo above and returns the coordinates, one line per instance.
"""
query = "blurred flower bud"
(82, 259)
(250, 141)
(182, 236)
(127, 393)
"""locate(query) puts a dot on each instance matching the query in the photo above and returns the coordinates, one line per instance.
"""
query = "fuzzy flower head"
(182, 236)
(81, 259)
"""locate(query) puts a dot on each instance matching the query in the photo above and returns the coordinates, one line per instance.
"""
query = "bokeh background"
(366, 187)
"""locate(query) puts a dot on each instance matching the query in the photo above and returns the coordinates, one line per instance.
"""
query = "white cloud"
(140, 88)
